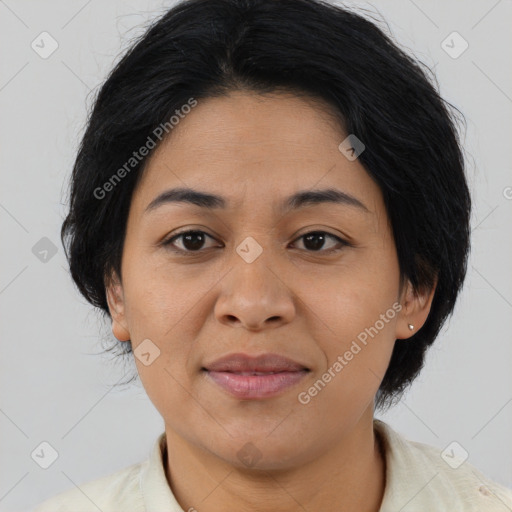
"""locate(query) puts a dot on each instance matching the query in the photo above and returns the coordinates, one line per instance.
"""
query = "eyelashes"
(195, 238)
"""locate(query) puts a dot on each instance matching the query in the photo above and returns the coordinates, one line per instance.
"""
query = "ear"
(116, 306)
(415, 309)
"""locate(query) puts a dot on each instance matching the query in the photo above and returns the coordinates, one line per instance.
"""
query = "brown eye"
(192, 241)
(315, 241)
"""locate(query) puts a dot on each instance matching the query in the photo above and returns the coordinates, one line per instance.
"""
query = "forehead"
(247, 146)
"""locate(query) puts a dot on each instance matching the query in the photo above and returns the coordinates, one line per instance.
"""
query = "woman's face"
(251, 283)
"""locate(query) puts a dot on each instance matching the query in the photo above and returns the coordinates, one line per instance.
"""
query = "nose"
(255, 296)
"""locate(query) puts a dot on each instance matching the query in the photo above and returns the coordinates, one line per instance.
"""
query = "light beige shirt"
(418, 479)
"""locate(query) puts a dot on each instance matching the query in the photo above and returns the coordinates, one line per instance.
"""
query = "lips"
(249, 377)
(266, 363)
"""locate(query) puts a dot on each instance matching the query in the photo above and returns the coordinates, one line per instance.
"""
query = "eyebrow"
(295, 201)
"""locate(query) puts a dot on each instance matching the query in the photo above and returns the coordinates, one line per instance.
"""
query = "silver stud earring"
(411, 327)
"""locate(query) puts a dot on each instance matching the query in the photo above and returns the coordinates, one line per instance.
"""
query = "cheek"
(356, 336)
(160, 300)
(349, 298)
(355, 315)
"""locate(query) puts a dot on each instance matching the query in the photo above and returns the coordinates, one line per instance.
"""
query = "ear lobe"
(116, 306)
(415, 310)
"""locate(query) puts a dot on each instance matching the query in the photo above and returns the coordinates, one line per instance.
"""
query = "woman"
(233, 135)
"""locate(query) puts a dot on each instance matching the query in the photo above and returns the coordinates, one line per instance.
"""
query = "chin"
(262, 452)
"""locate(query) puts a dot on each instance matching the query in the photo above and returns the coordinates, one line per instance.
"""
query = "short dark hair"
(386, 98)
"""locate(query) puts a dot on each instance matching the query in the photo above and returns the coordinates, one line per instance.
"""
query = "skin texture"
(292, 300)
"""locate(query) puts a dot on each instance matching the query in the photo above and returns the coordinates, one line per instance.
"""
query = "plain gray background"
(53, 387)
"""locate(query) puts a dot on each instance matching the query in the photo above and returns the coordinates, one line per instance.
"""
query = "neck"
(349, 477)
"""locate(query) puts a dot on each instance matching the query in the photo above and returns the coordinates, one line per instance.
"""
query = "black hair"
(207, 48)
